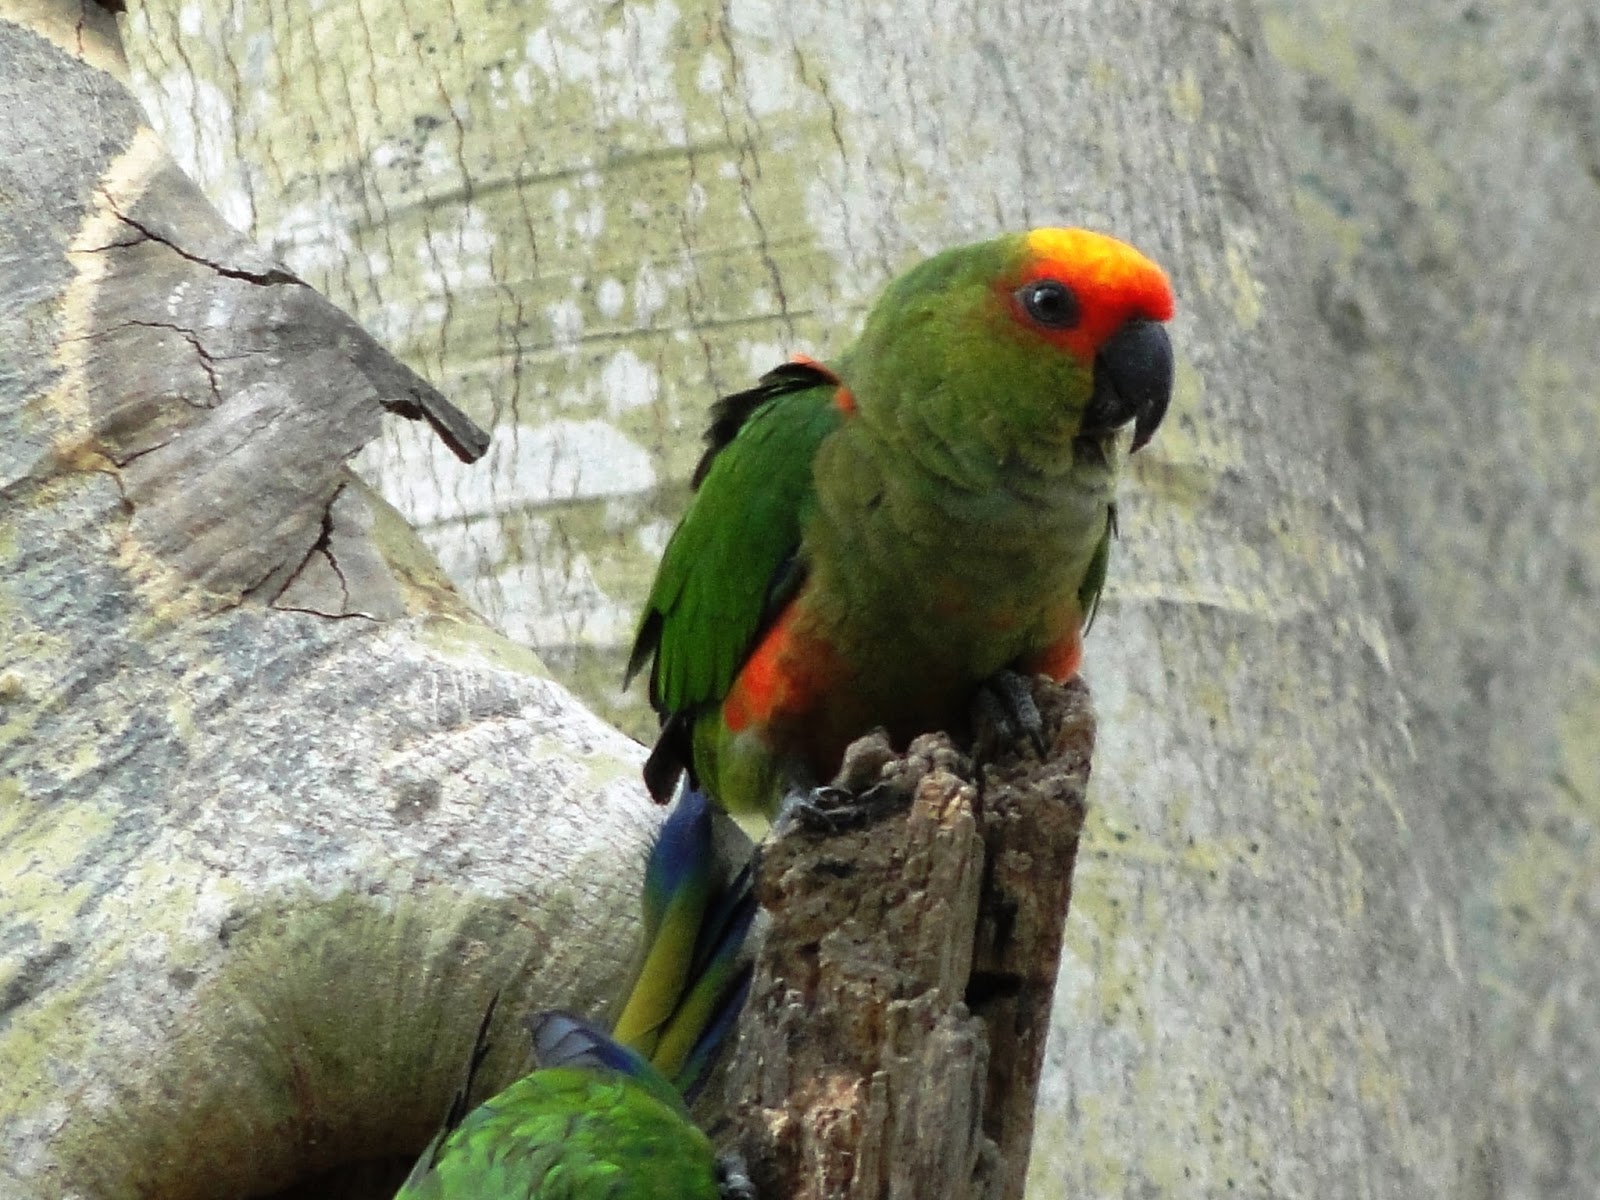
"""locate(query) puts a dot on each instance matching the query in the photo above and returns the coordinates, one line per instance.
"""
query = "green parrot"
(875, 541)
(605, 1116)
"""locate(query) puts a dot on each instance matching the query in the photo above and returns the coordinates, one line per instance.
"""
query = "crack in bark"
(271, 278)
(746, 145)
(252, 589)
(107, 247)
(207, 360)
(123, 463)
(818, 80)
(323, 546)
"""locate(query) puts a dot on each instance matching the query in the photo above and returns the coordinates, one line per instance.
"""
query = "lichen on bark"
(266, 785)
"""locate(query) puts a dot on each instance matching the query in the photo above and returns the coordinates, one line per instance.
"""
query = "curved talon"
(831, 810)
(1003, 711)
(733, 1178)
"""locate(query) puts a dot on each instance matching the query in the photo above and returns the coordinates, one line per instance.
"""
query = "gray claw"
(733, 1178)
(1003, 711)
(832, 810)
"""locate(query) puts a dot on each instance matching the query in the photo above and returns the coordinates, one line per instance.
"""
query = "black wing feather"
(729, 414)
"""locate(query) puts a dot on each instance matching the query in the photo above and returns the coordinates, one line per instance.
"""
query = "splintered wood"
(893, 1039)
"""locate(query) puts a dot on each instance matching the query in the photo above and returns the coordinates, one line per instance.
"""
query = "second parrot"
(605, 1117)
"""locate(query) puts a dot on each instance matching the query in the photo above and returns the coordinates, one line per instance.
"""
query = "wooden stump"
(893, 1039)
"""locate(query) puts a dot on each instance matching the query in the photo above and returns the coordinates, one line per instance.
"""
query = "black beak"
(1132, 382)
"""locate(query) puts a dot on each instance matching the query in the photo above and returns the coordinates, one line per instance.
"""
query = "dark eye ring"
(1050, 303)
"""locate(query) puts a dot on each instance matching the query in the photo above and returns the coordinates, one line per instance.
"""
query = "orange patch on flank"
(844, 401)
(784, 678)
(1112, 280)
(1060, 660)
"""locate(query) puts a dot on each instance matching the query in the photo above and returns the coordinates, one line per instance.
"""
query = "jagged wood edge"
(895, 1031)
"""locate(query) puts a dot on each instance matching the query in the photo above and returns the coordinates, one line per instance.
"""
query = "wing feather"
(734, 558)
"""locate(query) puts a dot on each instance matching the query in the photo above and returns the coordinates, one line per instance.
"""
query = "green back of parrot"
(558, 1134)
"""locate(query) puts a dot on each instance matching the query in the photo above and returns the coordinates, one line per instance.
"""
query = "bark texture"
(1447, 160)
(276, 813)
(894, 1035)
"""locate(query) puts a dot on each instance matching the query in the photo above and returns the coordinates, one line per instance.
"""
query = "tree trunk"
(1448, 170)
(266, 786)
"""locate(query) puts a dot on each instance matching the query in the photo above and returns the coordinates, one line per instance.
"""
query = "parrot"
(887, 539)
(605, 1116)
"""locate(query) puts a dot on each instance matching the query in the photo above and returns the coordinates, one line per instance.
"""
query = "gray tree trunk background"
(277, 815)
(1336, 923)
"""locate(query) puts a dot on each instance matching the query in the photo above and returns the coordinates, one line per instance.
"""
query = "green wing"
(732, 562)
(1094, 579)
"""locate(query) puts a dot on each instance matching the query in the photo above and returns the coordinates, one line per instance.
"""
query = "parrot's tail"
(693, 975)
(718, 984)
(563, 1040)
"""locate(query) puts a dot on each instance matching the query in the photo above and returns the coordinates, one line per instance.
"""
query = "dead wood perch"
(893, 1039)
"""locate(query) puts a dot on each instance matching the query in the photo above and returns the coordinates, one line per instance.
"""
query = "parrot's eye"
(1049, 302)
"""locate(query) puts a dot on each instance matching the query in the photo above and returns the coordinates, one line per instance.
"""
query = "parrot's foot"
(1002, 712)
(830, 810)
(733, 1178)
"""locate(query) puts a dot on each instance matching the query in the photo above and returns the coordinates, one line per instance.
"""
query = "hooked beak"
(1132, 382)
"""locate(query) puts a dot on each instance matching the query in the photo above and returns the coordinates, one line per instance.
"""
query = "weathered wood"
(259, 867)
(193, 344)
(895, 1031)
